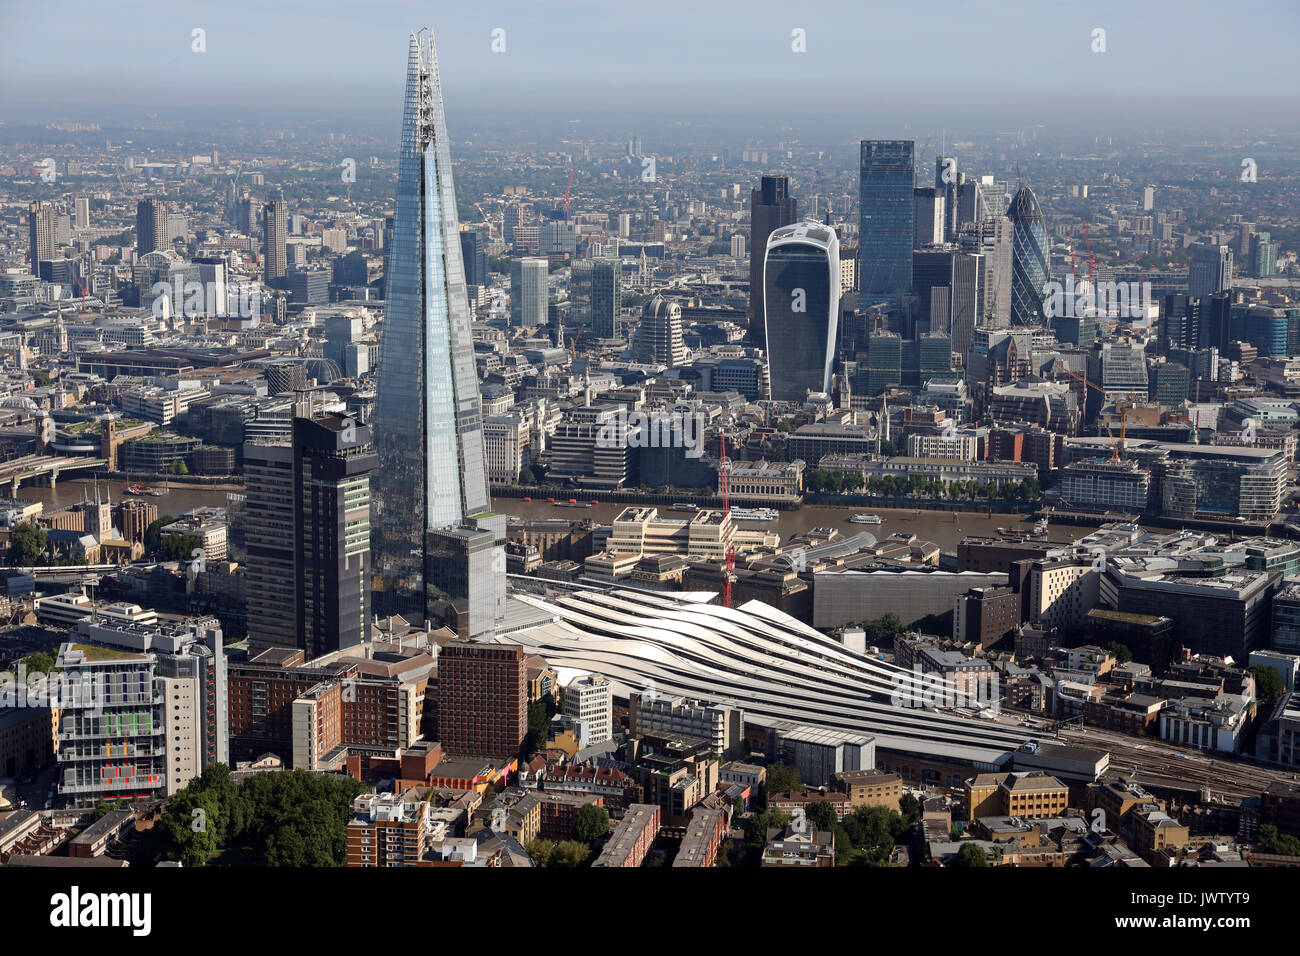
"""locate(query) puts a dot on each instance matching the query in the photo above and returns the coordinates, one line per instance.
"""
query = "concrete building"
(721, 725)
(590, 700)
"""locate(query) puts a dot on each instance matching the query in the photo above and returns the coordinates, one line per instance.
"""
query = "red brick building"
(482, 699)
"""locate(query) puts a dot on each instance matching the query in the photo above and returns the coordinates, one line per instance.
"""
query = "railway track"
(1223, 776)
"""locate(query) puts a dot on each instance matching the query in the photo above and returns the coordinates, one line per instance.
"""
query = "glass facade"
(1029, 262)
(801, 299)
(428, 415)
(887, 177)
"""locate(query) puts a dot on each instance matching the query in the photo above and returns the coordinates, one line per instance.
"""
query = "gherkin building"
(1029, 259)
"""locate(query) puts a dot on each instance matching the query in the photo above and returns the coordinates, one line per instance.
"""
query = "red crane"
(724, 485)
(1091, 258)
(567, 190)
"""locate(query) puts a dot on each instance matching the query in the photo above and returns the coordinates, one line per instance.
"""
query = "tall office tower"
(515, 216)
(607, 298)
(150, 226)
(991, 239)
(596, 294)
(887, 176)
(949, 297)
(981, 199)
(1263, 255)
(40, 233)
(1148, 198)
(482, 699)
(333, 462)
(738, 246)
(590, 700)
(473, 249)
(244, 215)
(946, 182)
(307, 522)
(770, 207)
(275, 230)
(660, 339)
(439, 553)
(1029, 262)
(801, 305)
(528, 295)
(1179, 325)
(270, 513)
(81, 212)
(929, 217)
(1209, 270)
(624, 225)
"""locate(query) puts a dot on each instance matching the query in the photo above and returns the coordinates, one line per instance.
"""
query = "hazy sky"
(657, 55)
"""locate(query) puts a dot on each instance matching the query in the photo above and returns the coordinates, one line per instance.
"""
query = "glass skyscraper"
(887, 177)
(770, 207)
(1029, 262)
(438, 550)
(801, 304)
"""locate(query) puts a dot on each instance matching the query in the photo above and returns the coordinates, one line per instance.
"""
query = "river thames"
(944, 528)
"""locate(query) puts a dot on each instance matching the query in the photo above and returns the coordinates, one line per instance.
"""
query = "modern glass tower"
(1029, 262)
(770, 207)
(801, 304)
(438, 551)
(887, 179)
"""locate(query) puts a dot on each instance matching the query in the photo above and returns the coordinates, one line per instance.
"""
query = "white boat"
(866, 517)
(754, 514)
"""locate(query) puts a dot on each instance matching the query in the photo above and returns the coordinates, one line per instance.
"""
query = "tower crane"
(1123, 416)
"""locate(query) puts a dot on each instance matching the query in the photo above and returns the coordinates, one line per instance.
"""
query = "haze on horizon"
(1198, 61)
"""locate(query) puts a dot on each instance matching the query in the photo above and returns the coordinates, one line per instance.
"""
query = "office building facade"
(886, 180)
(528, 297)
(770, 207)
(801, 304)
(1029, 259)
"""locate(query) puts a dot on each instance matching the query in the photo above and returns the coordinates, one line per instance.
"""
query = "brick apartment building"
(482, 699)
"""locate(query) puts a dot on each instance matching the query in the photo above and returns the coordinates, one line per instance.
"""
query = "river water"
(944, 528)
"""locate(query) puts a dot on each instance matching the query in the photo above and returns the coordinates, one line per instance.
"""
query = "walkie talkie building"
(801, 306)
(438, 552)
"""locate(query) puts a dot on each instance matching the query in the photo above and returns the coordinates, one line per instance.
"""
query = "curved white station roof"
(762, 660)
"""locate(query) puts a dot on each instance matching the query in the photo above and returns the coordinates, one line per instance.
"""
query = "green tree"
(1120, 652)
(179, 467)
(153, 533)
(592, 824)
(105, 807)
(972, 854)
(1268, 683)
(1272, 840)
(910, 809)
(822, 815)
(26, 545)
(540, 851)
(570, 853)
(783, 778)
(760, 823)
(42, 661)
(527, 476)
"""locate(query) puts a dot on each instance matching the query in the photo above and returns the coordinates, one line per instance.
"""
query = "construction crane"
(724, 485)
(1123, 416)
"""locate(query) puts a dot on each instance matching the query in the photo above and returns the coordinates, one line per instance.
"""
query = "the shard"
(438, 551)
